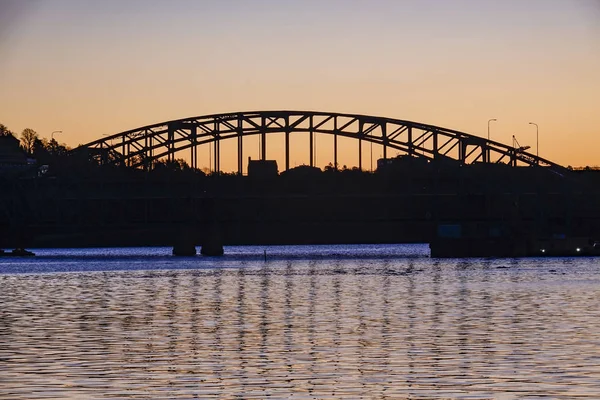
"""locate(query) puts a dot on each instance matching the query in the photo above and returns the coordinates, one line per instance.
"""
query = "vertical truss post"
(385, 139)
(192, 163)
(263, 139)
(216, 147)
(410, 141)
(151, 148)
(335, 152)
(360, 135)
(123, 150)
(240, 132)
(311, 142)
(287, 143)
(462, 151)
(146, 163)
(171, 138)
(194, 140)
(360, 154)
(485, 154)
(435, 144)
(215, 151)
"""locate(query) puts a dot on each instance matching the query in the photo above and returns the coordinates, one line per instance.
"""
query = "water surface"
(310, 322)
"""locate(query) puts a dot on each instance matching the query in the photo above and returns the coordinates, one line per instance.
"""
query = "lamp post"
(537, 140)
(52, 134)
(490, 120)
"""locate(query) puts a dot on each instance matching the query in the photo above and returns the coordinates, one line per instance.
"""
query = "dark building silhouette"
(262, 168)
(302, 172)
(12, 156)
(399, 162)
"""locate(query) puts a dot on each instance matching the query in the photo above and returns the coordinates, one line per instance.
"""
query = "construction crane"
(518, 148)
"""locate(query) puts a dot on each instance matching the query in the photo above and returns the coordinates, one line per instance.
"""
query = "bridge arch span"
(143, 146)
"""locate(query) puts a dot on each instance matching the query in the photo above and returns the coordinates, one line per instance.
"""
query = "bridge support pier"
(212, 246)
(184, 245)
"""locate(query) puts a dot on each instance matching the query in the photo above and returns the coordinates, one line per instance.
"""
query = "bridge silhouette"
(110, 192)
(143, 146)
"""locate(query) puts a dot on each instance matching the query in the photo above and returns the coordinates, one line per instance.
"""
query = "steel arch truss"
(143, 146)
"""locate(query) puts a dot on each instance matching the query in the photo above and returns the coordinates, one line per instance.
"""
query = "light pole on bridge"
(537, 140)
(490, 120)
(52, 134)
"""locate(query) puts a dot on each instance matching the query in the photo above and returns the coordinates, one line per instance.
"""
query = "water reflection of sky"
(299, 327)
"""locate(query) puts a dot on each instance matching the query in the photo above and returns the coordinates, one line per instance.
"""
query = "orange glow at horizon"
(92, 69)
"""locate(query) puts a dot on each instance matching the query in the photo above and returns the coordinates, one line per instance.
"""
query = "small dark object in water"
(18, 252)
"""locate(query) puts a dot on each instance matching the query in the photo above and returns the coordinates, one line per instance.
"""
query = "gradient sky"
(90, 67)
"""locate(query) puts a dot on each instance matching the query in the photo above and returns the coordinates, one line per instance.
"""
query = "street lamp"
(52, 134)
(537, 139)
(493, 119)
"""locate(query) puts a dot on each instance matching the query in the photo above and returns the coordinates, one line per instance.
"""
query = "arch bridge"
(143, 146)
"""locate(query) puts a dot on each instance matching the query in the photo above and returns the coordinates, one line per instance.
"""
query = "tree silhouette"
(4, 131)
(28, 138)
(56, 149)
(329, 168)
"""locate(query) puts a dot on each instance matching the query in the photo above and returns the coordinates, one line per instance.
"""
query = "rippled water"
(310, 322)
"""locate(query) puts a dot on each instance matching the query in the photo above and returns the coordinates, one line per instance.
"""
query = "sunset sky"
(90, 67)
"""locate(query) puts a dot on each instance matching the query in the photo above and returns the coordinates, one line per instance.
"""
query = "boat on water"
(18, 252)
